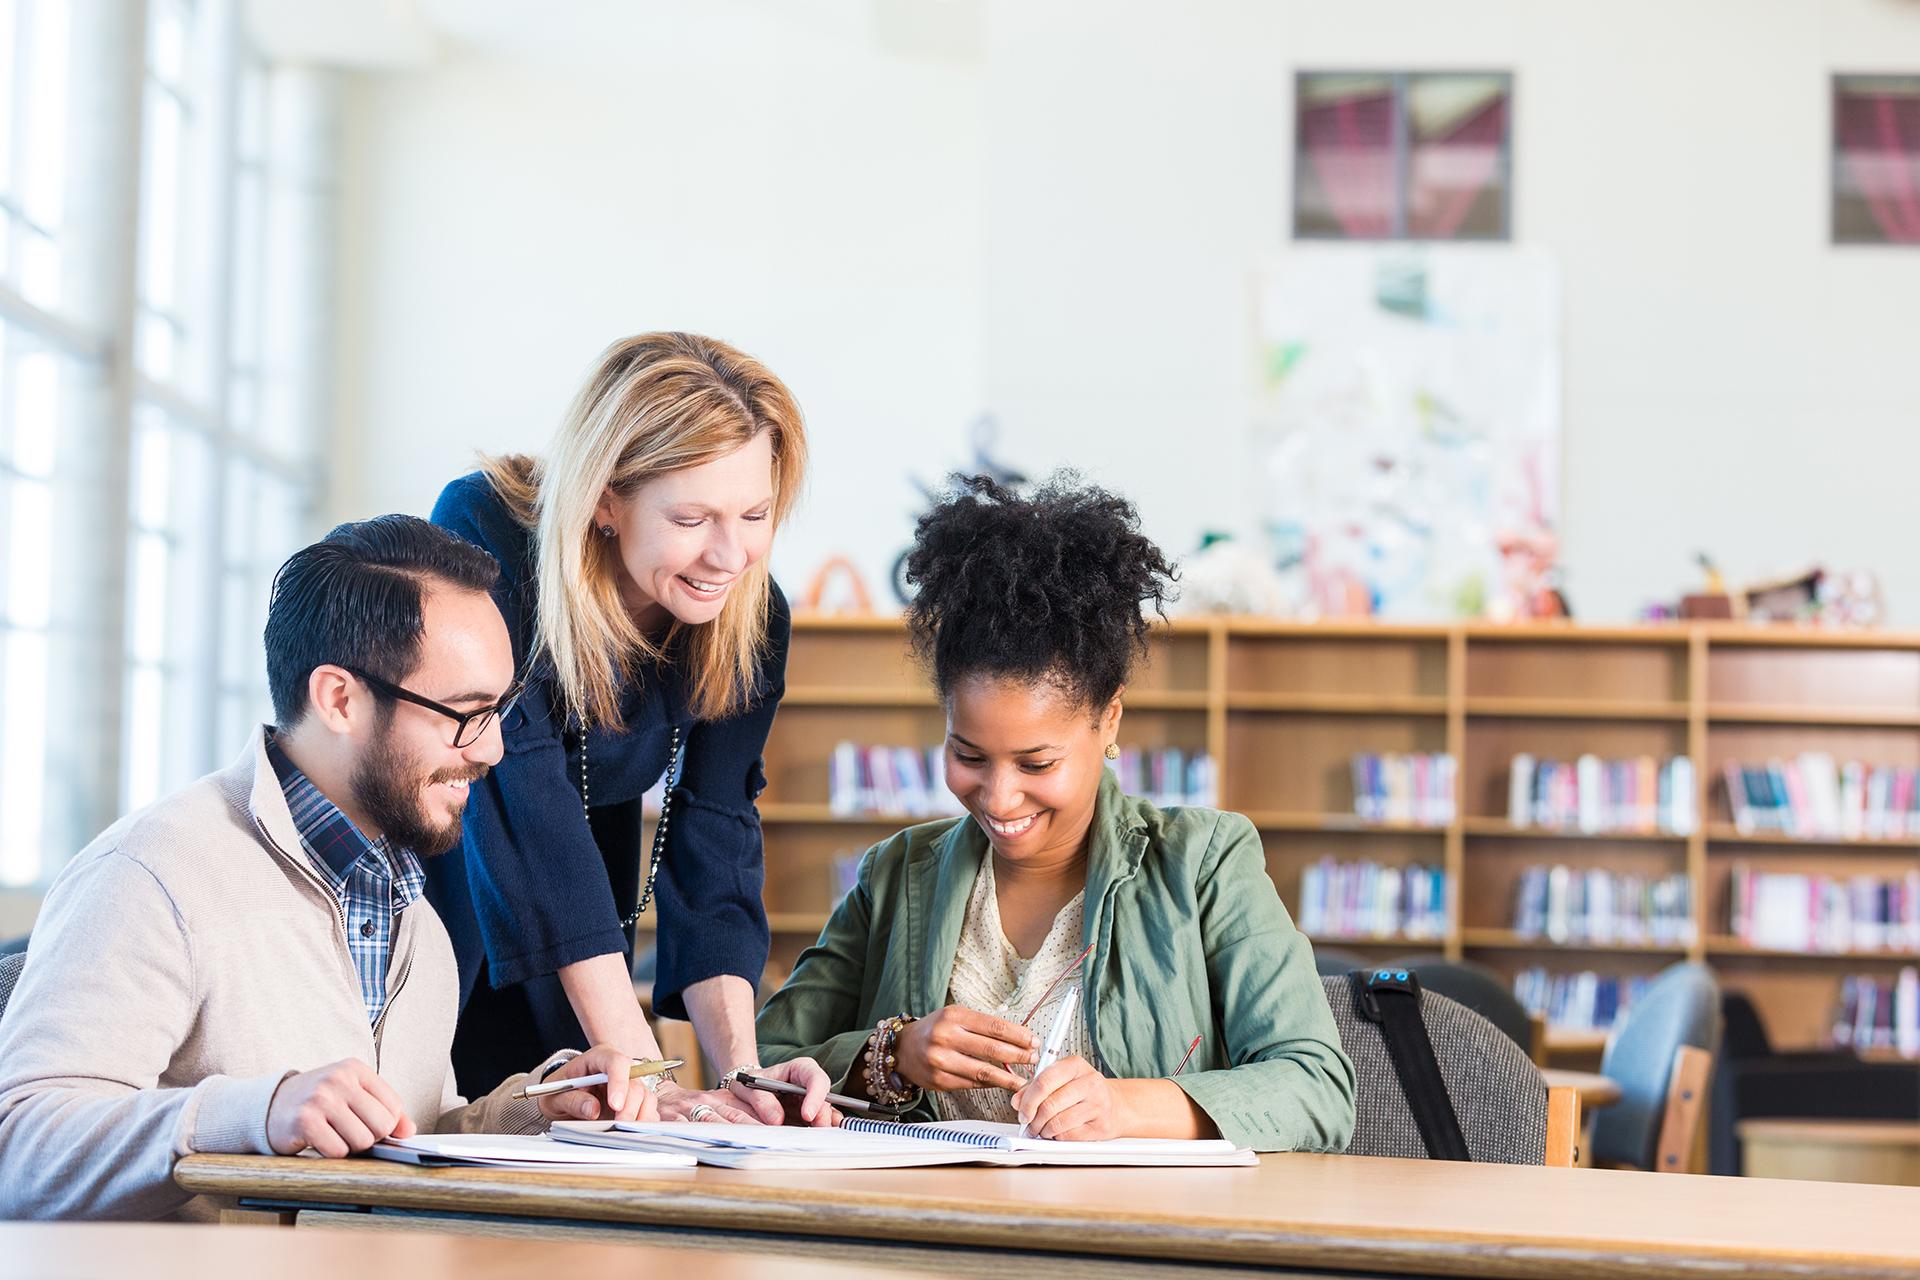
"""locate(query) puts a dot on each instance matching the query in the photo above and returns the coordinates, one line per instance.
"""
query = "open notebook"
(887, 1144)
(519, 1151)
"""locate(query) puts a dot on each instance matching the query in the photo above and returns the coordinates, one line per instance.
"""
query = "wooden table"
(177, 1252)
(1883, 1151)
(1595, 1090)
(1411, 1217)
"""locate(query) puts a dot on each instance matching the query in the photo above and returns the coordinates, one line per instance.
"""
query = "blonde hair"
(654, 404)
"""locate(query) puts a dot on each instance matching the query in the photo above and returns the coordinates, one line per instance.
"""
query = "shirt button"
(366, 928)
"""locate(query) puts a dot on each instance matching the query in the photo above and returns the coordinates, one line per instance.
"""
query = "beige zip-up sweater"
(184, 963)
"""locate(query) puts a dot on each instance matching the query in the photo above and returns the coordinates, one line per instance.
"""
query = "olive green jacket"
(1189, 938)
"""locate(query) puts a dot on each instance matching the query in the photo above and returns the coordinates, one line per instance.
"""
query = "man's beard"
(391, 790)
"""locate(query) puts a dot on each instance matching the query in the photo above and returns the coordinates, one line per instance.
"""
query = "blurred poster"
(1408, 428)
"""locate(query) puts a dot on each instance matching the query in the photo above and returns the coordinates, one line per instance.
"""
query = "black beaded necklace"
(659, 828)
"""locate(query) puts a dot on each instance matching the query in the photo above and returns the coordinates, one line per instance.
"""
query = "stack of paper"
(519, 1151)
(887, 1146)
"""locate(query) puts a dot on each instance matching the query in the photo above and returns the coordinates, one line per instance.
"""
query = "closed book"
(1853, 799)
(843, 779)
(1684, 810)
(1589, 794)
(1520, 791)
(1799, 800)
(1738, 800)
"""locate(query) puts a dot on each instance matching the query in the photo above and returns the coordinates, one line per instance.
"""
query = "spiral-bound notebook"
(889, 1144)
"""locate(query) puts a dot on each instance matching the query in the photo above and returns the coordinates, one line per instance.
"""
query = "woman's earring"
(606, 531)
(1113, 751)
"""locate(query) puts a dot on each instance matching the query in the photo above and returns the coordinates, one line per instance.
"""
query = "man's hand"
(618, 1099)
(337, 1110)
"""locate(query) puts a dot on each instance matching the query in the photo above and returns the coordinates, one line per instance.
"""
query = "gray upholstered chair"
(1483, 991)
(1498, 1095)
(1661, 1056)
(10, 966)
(1331, 962)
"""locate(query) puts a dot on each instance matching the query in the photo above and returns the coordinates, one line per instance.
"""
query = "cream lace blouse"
(991, 977)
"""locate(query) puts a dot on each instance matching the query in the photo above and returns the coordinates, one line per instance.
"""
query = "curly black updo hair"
(1053, 586)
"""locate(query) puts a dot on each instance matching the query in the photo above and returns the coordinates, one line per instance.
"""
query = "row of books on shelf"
(1813, 795)
(911, 780)
(1567, 904)
(1168, 776)
(1597, 796)
(1879, 1013)
(1790, 911)
(905, 780)
(1583, 1001)
(1370, 900)
(1417, 788)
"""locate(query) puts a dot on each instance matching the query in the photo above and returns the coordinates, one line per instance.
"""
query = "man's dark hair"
(353, 599)
(1050, 586)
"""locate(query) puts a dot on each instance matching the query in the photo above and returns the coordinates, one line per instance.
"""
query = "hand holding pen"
(600, 1084)
(1089, 1097)
(1073, 1101)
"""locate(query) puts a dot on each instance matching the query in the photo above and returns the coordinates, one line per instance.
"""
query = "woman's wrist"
(721, 1010)
(600, 989)
(1126, 1107)
(728, 1076)
(880, 1062)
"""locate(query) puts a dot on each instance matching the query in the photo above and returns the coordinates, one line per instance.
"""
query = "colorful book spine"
(1584, 1001)
(1815, 797)
(1168, 777)
(1370, 900)
(1567, 905)
(1405, 790)
(902, 782)
(1596, 796)
(1879, 1013)
(1790, 911)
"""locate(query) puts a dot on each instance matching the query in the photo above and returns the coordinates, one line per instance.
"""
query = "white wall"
(507, 220)
(1062, 231)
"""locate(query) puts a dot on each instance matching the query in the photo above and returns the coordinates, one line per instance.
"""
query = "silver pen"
(1056, 1037)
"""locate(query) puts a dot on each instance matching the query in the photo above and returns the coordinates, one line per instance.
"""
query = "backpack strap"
(1391, 998)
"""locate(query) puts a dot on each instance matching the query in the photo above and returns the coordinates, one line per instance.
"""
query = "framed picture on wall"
(1402, 155)
(1876, 159)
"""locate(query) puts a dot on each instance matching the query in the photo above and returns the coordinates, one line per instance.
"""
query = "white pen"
(1056, 1037)
(644, 1067)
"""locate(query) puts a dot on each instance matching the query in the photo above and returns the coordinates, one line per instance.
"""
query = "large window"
(1399, 156)
(43, 355)
(155, 442)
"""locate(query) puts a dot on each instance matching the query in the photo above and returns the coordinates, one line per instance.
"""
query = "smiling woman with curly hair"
(1062, 909)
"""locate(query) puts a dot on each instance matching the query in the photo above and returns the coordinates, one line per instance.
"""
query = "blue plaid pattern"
(373, 881)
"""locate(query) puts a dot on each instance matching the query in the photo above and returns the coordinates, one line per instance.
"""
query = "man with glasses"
(248, 965)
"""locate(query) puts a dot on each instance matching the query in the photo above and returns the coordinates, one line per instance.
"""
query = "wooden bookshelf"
(1283, 706)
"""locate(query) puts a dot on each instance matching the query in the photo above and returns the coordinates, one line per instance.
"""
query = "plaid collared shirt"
(373, 881)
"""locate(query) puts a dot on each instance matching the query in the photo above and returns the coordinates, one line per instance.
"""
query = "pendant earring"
(1113, 751)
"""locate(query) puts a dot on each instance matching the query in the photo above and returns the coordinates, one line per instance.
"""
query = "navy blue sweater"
(536, 890)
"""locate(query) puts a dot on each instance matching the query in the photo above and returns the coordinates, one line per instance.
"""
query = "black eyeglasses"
(468, 725)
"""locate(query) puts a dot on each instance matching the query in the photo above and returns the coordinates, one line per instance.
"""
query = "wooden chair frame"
(1563, 1128)
(1686, 1110)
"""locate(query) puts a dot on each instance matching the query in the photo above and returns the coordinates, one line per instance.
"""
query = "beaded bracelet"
(884, 1084)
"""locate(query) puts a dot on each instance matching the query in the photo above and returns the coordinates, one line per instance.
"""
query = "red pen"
(1183, 1062)
(1056, 982)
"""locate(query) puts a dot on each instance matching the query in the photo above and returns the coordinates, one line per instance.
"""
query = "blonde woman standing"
(654, 644)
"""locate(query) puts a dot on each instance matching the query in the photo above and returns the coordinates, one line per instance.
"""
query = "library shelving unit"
(1284, 706)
